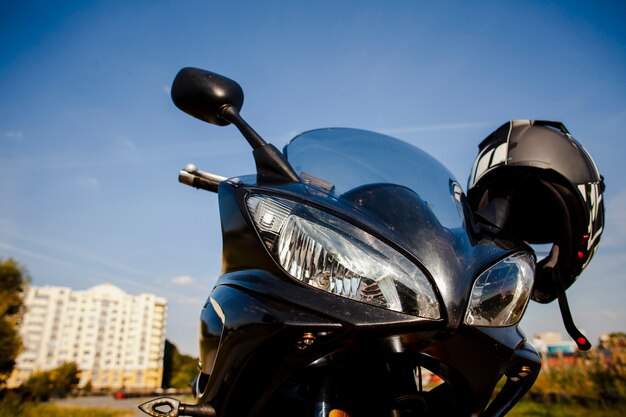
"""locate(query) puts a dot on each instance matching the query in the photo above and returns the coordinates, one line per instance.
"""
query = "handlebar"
(193, 177)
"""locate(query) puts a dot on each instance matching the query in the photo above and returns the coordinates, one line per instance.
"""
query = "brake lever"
(581, 340)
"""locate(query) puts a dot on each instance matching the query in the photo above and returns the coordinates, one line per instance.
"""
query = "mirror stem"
(271, 165)
(231, 115)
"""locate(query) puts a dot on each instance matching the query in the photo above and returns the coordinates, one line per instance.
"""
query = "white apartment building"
(116, 339)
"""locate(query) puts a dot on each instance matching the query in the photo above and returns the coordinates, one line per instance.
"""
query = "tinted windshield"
(350, 158)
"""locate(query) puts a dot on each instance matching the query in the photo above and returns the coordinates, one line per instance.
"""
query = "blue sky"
(90, 143)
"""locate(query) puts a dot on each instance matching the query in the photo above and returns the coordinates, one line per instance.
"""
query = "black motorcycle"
(360, 280)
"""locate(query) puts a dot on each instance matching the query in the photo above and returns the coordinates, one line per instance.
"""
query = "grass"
(593, 386)
(594, 378)
(527, 408)
(51, 410)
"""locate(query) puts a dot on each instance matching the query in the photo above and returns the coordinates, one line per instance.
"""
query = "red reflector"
(581, 340)
(581, 255)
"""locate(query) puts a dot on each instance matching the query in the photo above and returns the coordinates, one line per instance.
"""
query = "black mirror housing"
(205, 94)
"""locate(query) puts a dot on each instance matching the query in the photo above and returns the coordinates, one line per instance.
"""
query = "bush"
(530, 409)
(609, 374)
(179, 370)
(58, 382)
(597, 377)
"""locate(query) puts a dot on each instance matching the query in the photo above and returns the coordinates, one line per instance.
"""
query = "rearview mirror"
(216, 99)
(204, 94)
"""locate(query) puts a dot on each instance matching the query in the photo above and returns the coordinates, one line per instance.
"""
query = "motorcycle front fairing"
(271, 344)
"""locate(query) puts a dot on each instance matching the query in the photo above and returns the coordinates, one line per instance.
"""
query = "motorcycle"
(360, 280)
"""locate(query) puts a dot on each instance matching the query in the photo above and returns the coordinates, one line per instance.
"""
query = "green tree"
(38, 386)
(58, 382)
(179, 370)
(615, 340)
(64, 379)
(13, 283)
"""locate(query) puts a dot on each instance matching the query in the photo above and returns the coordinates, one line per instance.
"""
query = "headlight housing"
(332, 255)
(501, 293)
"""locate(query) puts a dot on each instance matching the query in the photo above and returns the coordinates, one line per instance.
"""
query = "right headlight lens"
(332, 255)
(501, 293)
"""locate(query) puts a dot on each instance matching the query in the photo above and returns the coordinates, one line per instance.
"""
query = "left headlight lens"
(330, 254)
(501, 293)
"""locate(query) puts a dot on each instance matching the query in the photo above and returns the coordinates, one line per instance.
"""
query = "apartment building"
(116, 339)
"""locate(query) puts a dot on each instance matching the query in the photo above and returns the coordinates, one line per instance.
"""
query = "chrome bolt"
(307, 340)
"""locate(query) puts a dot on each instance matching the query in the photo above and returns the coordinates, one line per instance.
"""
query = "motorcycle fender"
(242, 337)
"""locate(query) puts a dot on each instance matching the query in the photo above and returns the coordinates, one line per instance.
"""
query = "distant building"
(554, 350)
(552, 343)
(116, 339)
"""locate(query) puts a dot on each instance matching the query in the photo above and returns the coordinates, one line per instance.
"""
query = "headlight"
(500, 294)
(332, 255)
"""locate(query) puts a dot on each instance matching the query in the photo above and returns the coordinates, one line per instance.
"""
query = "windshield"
(351, 158)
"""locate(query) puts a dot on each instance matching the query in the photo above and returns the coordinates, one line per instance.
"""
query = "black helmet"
(532, 181)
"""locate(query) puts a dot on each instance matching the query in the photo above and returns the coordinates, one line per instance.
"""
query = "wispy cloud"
(95, 275)
(189, 301)
(54, 245)
(95, 268)
(614, 120)
(80, 262)
(6, 224)
(611, 314)
(435, 128)
(183, 280)
(13, 135)
(615, 227)
(285, 137)
(88, 182)
(126, 144)
(121, 155)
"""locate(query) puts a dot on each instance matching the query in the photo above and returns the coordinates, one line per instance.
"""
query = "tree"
(38, 386)
(13, 283)
(64, 379)
(58, 382)
(617, 340)
(179, 370)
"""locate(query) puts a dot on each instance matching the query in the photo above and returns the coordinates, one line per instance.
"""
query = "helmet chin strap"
(552, 269)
